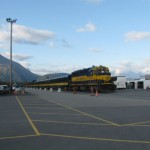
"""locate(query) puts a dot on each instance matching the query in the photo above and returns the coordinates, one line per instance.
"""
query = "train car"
(120, 82)
(93, 78)
(55, 83)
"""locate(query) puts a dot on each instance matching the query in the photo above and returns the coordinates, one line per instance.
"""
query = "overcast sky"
(64, 35)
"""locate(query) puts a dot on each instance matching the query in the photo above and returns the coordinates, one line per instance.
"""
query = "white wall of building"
(146, 84)
(120, 82)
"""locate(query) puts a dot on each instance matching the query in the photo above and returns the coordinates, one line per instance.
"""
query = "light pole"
(11, 24)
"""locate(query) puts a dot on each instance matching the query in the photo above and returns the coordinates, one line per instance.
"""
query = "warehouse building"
(141, 83)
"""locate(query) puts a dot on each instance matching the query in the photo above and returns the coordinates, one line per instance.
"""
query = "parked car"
(4, 89)
(1, 89)
(18, 88)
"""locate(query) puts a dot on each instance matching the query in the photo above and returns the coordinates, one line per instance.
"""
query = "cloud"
(147, 60)
(125, 68)
(129, 68)
(89, 27)
(25, 35)
(4, 46)
(40, 70)
(95, 50)
(25, 64)
(62, 68)
(93, 1)
(19, 57)
(137, 36)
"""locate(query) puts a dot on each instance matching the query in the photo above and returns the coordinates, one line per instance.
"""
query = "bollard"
(92, 91)
(59, 90)
(74, 90)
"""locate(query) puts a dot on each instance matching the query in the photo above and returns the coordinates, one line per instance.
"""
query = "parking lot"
(44, 120)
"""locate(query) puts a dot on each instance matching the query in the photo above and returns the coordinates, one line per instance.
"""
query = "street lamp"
(11, 24)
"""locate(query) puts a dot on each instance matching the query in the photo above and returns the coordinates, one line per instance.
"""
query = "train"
(95, 78)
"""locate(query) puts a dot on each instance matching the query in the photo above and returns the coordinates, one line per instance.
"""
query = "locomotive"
(93, 78)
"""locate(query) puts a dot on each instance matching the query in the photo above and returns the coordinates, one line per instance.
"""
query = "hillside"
(19, 73)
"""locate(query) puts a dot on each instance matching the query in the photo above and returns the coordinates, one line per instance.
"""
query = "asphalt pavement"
(44, 120)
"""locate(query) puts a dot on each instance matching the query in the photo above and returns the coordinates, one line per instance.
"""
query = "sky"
(66, 35)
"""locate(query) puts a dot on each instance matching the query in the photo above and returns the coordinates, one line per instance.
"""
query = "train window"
(99, 72)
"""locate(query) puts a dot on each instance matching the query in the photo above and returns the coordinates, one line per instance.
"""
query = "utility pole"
(11, 30)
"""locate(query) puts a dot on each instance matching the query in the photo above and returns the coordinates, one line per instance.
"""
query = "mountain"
(19, 73)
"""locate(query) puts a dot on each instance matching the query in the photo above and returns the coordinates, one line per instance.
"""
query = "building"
(141, 83)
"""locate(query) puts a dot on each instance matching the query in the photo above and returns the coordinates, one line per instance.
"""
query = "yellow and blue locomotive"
(97, 77)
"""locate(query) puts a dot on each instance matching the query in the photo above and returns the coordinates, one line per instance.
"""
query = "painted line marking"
(40, 104)
(95, 124)
(31, 101)
(116, 124)
(43, 108)
(136, 123)
(15, 137)
(55, 114)
(74, 123)
(97, 139)
(28, 118)
(78, 137)
(86, 114)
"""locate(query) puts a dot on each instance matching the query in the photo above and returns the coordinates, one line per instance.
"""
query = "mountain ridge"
(19, 73)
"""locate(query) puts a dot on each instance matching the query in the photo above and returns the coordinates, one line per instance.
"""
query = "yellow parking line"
(43, 108)
(39, 104)
(81, 123)
(96, 139)
(30, 121)
(15, 137)
(92, 116)
(55, 114)
(74, 123)
(136, 123)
